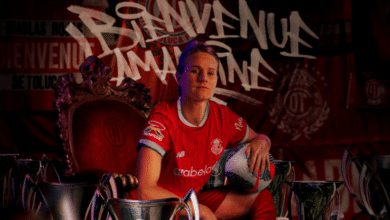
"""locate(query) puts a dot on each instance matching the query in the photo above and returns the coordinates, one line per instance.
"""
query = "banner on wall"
(145, 46)
(35, 49)
(283, 70)
(290, 71)
(369, 82)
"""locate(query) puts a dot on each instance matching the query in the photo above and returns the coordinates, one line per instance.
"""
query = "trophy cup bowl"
(121, 209)
(58, 200)
(159, 209)
(313, 198)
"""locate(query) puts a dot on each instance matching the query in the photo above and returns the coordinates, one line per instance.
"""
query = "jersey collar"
(181, 116)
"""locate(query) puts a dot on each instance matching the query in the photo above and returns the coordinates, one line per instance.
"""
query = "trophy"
(314, 198)
(380, 164)
(65, 201)
(283, 171)
(373, 193)
(8, 166)
(160, 209)
(373, 185)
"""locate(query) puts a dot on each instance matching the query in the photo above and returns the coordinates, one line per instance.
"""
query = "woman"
(184, 139)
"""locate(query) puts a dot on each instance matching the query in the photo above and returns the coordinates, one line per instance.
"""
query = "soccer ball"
(237, 171)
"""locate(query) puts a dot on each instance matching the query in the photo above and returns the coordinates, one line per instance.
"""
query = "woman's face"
(199, 77)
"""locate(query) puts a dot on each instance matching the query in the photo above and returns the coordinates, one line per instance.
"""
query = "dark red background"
(351, 56)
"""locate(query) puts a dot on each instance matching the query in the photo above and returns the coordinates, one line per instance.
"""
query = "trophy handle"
(331, 199)
(110, 211)
(365, 177)
(107, 189)
(289, 176)
(346, 163)
(51, 164)
(108, 180)
(8, 190)
(289, 204)
(290, 200)
(99, 203)
(28, 193)
(191, 196)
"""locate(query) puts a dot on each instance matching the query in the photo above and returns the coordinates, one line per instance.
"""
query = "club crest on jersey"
(154, 130)
(239, 124)
(216, 146)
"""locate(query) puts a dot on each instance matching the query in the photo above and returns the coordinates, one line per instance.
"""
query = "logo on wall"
(179, 36)
(375, 92)
(299, 108)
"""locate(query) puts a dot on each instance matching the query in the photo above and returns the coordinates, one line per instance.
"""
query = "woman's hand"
(258, 151)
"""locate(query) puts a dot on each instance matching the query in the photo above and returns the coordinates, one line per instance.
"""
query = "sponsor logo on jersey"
(154, 130)
(239, 124)
(180, 154)
(192, 172)
(216, 146)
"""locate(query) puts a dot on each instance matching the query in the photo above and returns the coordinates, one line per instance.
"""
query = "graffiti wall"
(312, 75)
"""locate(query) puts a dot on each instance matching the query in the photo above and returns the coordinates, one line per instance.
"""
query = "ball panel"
(237, 171)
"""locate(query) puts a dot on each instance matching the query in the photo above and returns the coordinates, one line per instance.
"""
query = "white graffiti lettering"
(248, 74)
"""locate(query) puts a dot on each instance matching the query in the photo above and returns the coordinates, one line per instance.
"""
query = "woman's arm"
(148, 173)
(258, 149)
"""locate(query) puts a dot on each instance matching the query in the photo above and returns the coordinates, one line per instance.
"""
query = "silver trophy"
(373, 185)
(8, 169)
(65, 201)
(160, 209)
(314, 198)
(284, 171)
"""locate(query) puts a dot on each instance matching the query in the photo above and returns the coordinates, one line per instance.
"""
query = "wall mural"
(310, 74)
(159, 27)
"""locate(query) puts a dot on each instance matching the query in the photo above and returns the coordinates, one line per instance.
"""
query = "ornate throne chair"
(99, 124)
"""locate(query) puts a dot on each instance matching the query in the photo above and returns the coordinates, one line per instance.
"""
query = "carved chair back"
(100, 123)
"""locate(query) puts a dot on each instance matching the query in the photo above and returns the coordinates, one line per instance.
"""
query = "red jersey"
(188, 152)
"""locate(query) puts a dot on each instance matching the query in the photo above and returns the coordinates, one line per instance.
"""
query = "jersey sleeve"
(238, 128)
(156, 135)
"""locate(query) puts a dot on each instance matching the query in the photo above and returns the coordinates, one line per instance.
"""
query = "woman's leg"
(263, 207)
(259, 206)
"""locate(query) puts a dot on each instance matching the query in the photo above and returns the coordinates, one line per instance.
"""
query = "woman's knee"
(263, 207)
